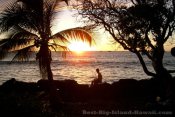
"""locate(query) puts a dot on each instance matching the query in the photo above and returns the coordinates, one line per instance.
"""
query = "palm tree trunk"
(45, 67)
(54, 97)
(49, 71)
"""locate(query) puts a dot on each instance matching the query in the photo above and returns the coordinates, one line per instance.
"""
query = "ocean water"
(81, 67)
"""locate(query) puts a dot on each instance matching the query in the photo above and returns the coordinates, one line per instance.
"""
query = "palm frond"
(50, 7)
(11, 16)
(23, 34)
(74, 33)
(77, 34)
(64, 49)
(9, 44)
(15, 15)
(57, 47)
(24, 53)
(59, 38)
(48, 15)
(17, 40)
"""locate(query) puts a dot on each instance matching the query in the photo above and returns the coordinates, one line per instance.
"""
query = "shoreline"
(127, 94)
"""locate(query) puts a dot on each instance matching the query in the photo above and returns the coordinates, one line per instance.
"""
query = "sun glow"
(80, 46)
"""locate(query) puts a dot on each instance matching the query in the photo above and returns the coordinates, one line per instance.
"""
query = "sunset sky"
(66, 19)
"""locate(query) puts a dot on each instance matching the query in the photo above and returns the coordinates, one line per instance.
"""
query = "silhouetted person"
(98, 79)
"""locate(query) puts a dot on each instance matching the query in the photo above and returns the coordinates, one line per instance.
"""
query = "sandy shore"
(124, 97)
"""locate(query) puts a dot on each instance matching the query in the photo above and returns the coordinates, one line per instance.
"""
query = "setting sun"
(79, 46)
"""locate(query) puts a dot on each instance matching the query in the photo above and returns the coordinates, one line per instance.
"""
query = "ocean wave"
(113, 66)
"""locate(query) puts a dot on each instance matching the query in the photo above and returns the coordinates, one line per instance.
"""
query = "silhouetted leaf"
(24, 53)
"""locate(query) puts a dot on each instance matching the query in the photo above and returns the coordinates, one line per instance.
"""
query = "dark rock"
(14, 85)
(59, 84)
(126, 88)
(126, 94)
(8, 85)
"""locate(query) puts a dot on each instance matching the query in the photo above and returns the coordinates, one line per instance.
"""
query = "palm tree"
(28, 23)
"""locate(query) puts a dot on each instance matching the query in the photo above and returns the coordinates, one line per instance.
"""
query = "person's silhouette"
(98, 79)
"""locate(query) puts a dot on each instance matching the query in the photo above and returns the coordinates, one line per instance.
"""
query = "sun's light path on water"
(80, 47)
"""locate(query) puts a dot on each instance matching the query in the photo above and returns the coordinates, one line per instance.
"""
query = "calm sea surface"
(113, 66)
